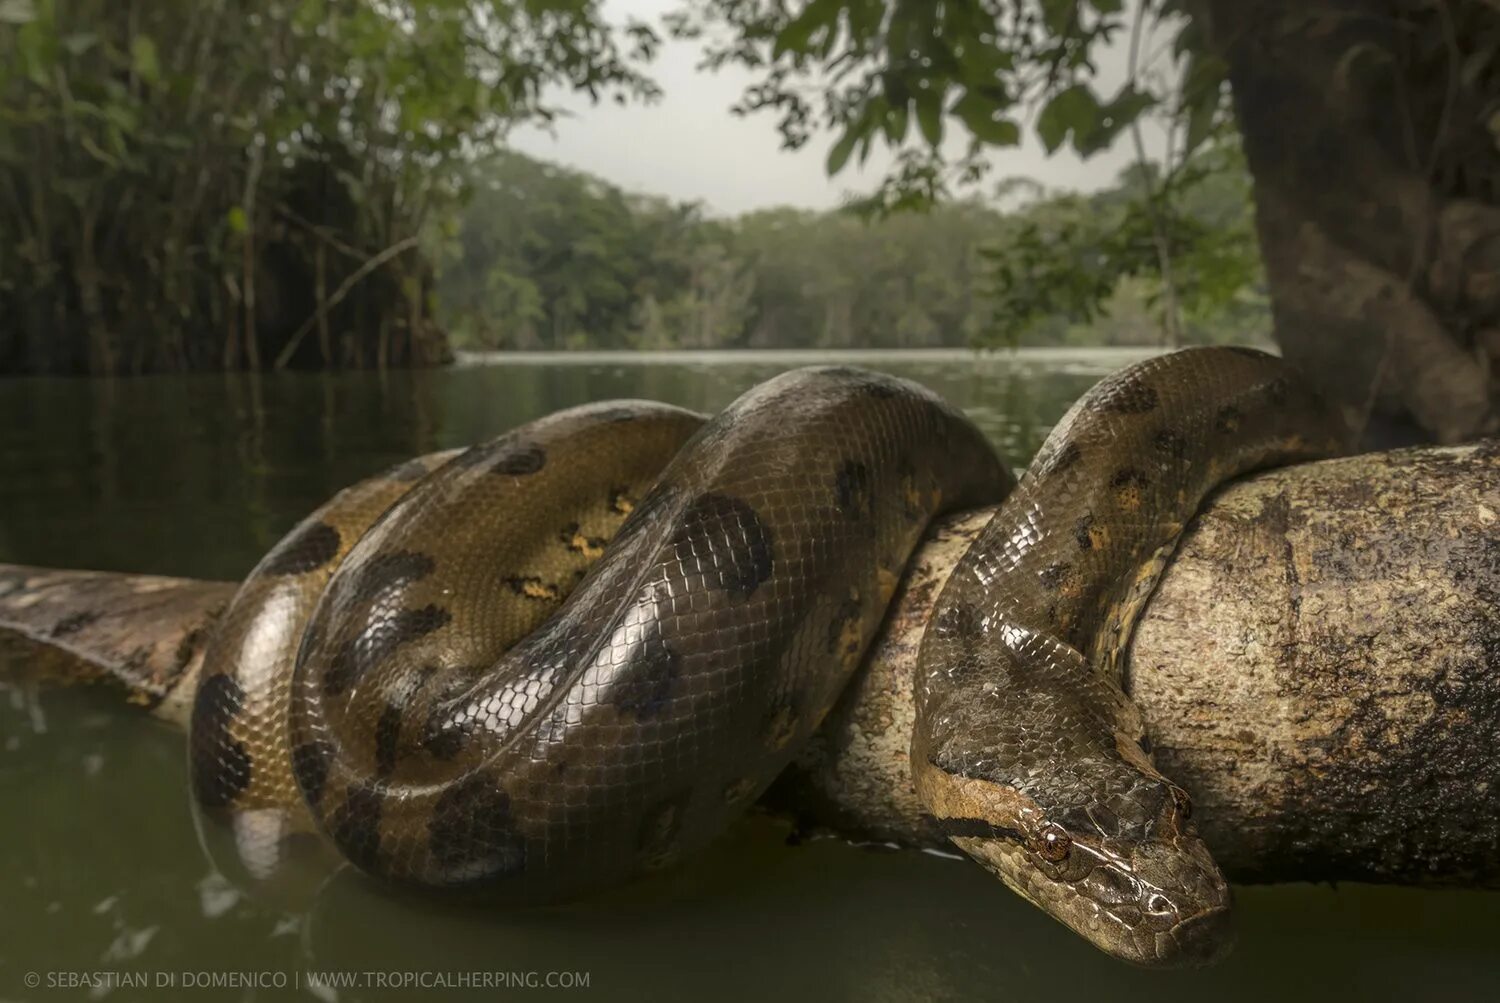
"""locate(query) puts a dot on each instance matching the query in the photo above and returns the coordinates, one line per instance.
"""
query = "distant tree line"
(549, 258)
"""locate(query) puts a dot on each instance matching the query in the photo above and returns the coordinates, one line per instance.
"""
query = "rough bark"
(143, 633)
(1318, 667)
(1368, 128)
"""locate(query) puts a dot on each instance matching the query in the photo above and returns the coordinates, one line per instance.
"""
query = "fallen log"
(1320, 668)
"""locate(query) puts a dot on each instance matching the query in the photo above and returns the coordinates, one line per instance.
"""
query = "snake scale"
(572, 654)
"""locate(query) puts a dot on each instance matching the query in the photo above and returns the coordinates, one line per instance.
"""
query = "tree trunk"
(1369, 129)
(1318, 668)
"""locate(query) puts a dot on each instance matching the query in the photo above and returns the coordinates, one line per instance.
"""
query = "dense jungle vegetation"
(255, 184)
(549, 258)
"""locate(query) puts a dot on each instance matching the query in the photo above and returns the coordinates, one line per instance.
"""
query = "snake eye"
(1053, 844)
(1159, 905)
(1182, 803)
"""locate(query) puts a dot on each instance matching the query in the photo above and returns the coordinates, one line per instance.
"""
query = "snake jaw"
(1148, 893)
(1113, 905)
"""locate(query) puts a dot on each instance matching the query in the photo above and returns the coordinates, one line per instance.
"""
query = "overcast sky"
(688, 147)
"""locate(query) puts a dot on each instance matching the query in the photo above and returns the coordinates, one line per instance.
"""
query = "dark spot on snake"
(220, 765)
(851, 486)
(847, 614)
(377, 641)
(310, 768)
(1130, 395)
(1061, 460)
(471, 836)
(1228, 419)
(1053, 576)
(647, 685)
(411, 470)
(1170, 443)
(355, 825)
(960, 618)
(1128, 478)
(659, 830)
(619, 501)
(445, 733)
(727, 541)
(310, 547)
(518, 462)
(387, 736)
(442, 738)
(75, 622)
(1083, 532)
(385, 572)
(779, 726)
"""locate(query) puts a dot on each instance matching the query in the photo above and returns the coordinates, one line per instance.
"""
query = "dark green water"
(102, 877)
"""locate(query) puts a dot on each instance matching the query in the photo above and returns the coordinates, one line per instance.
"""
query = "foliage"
(178, 172)
(1070, 254)
(902, 72)
(551, 258)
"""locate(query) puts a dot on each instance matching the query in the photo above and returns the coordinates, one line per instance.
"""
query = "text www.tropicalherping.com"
(106, 979)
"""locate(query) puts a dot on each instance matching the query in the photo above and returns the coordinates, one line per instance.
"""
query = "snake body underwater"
(572, 654)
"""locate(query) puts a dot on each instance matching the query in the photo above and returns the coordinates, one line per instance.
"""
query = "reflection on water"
(198, 475)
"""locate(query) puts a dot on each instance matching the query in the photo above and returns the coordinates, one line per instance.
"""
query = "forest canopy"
(549, 258)
(241, 184)
(320, 184)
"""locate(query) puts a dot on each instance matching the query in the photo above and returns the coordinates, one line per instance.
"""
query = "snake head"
(1128, 872)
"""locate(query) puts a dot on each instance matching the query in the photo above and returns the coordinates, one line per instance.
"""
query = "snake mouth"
(1199, 940)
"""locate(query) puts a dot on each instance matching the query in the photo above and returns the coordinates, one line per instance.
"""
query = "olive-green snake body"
(552, 661)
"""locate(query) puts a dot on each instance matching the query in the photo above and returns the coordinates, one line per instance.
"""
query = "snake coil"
(572, 654)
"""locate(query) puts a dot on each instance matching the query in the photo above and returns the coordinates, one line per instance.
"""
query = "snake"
(571, 655)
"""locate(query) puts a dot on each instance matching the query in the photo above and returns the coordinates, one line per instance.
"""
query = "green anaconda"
(572, 654)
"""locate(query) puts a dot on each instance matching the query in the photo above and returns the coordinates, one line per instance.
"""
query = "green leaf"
(1112, 119)
(983, 119)
(143, 59)
(1059, 15)
(38, 52)
(929, 104)
(1202, 85)
(895, 124)
(1073, 110)
(238, 222)
(799, 31)
(1108, 6)
(839, 155)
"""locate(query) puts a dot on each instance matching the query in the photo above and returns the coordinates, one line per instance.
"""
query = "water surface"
(102, 877)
